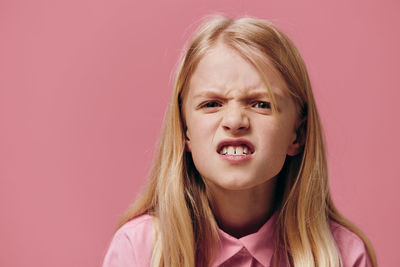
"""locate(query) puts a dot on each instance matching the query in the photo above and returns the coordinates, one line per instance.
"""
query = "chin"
(236, 184)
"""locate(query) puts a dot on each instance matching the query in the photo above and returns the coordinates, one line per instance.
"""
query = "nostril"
(228, 128)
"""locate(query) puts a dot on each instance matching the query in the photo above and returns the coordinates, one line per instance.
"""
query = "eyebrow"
(251, 95)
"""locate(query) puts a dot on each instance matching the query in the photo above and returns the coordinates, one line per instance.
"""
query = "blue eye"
(262, 104)
(211, 104)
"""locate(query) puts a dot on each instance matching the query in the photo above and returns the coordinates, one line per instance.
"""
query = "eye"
(211, 104)
(262, 105)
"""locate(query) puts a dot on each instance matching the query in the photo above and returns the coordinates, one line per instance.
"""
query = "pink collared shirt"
(132, 244)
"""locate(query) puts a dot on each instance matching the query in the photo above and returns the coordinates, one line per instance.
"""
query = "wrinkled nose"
(235, 120)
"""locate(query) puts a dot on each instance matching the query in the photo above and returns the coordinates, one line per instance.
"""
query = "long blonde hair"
(185, 228)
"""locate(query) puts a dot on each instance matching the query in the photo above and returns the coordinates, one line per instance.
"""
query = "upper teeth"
(234, 150)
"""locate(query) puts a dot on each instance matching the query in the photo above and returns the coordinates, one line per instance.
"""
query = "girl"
(240, 173)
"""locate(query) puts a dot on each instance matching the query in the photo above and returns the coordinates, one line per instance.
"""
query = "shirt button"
(243, 251)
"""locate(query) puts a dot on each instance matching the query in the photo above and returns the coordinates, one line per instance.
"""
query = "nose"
(235, 120)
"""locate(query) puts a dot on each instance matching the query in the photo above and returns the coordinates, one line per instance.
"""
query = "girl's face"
(235, 140)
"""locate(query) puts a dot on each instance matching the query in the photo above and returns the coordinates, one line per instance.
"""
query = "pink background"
(83, 90)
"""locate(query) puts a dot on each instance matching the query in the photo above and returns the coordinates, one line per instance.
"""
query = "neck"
(243, 212)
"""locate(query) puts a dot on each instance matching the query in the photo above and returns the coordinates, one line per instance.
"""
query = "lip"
(235, 142)
(236, 158)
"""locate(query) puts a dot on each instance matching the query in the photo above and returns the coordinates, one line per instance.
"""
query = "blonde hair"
(185, 228)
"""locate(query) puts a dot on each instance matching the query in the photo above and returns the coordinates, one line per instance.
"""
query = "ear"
(294, 149)
(187, 141)
(299, 138)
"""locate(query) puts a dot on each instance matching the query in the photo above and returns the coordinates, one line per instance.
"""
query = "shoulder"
(350, 245)
(138, 229)
(131, 244)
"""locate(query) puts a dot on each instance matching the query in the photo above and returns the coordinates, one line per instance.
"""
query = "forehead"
(223, 69)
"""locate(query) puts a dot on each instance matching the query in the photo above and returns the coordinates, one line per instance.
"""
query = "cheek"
(272, 151)
(273, 138)
(202, 131)
(202, 148)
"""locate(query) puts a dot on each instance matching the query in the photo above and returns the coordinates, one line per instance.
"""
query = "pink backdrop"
(83, 90)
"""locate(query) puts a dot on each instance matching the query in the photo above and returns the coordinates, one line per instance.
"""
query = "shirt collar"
(260, 244)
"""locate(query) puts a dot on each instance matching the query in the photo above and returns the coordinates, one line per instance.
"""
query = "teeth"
(234, 150)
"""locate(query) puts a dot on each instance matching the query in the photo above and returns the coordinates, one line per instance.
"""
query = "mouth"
(235, 147)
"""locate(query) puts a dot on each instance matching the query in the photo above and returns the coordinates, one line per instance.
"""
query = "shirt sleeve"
(120, 252)
(351, 247)
(363, 260)
(357, 255)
